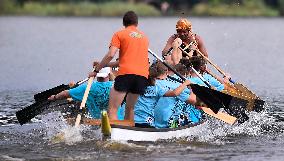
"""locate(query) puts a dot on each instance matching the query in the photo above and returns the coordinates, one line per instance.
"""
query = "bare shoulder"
(198, 39)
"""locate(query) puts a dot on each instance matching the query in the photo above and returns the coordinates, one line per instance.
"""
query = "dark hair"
(186, 63)
(155, 70)
(197, 62)
(181, 68)
(130, 18)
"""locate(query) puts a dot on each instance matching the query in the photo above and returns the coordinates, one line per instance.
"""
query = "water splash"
(217, 132)
(58, 130)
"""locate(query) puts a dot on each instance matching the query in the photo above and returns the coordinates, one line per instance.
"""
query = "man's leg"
(131, 100)
(115, 100)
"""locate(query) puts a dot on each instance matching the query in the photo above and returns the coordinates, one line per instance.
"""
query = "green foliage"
(83, 9)
(118, 7)
(7, 6)
(281, 7)
(247, 8)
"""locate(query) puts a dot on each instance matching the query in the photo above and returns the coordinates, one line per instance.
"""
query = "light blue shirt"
(213, 82)
(169, 106)
(144, 107)
(97, 99)
(193, 114)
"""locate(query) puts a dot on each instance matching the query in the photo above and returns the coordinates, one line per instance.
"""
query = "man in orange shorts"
(133, 66)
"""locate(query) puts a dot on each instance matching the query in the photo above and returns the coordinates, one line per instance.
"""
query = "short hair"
(130, 18)
(197, 62)
(181, 68)
(155, 70)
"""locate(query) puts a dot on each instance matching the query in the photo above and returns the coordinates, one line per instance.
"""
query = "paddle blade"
(42, 96)
(215, 99)
(26, 114)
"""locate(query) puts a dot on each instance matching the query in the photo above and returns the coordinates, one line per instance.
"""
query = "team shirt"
(210, 79)
(213, 82)
(144, 107)
(169, 108)
(133, 53)
(97, 99)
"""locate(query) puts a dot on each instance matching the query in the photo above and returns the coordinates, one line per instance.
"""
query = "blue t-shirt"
(144, 107)
(196, 80)
(192, 113)
(169, 106)
(121, 112)
(97, 99)
(213, 82)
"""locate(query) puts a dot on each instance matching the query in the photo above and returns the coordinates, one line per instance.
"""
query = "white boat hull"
(123, 133)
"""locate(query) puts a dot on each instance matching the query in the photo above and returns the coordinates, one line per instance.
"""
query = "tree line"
(171, 7)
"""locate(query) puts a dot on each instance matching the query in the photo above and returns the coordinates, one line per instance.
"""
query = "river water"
(38, 53)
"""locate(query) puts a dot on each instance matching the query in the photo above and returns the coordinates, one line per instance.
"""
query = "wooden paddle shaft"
(240, 87)
(83, 103)
(196, 72)
(220, 115)
(209, 61)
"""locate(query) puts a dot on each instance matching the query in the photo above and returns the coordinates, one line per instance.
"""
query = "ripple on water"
(38, 137)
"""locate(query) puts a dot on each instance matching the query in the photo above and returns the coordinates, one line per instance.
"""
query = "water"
(37, 53)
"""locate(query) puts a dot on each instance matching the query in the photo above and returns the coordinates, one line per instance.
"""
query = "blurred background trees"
(146, 7)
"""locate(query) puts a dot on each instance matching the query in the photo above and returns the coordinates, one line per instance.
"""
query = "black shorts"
(132, 83)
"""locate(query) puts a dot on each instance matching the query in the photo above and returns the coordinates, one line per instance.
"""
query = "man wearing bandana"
(183, 36)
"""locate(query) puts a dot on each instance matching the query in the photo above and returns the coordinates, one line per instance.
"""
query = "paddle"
(255, 103)
(26, 114)
(258, 103)
(43, 96)
(213, 99)
(83, 103)
(220, 115)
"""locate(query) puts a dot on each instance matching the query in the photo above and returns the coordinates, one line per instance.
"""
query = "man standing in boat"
(186, 36)
(133, 66)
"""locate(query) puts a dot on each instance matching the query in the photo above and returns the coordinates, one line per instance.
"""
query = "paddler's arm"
(166, 53)
(62, 95)
(176, 54)
(113, 64)
(107, 58)
(178, 90)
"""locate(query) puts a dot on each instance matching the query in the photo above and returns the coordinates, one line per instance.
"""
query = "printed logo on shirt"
(135, 35)
(150, 121)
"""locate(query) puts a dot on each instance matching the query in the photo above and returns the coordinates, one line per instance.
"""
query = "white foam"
(215, 131)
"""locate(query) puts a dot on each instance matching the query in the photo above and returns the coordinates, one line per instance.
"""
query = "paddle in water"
(220, 115)
(84, 100)
(61, 136)
(26, 114)
(257, 104)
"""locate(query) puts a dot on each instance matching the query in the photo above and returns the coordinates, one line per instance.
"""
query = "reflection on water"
(40, 53)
